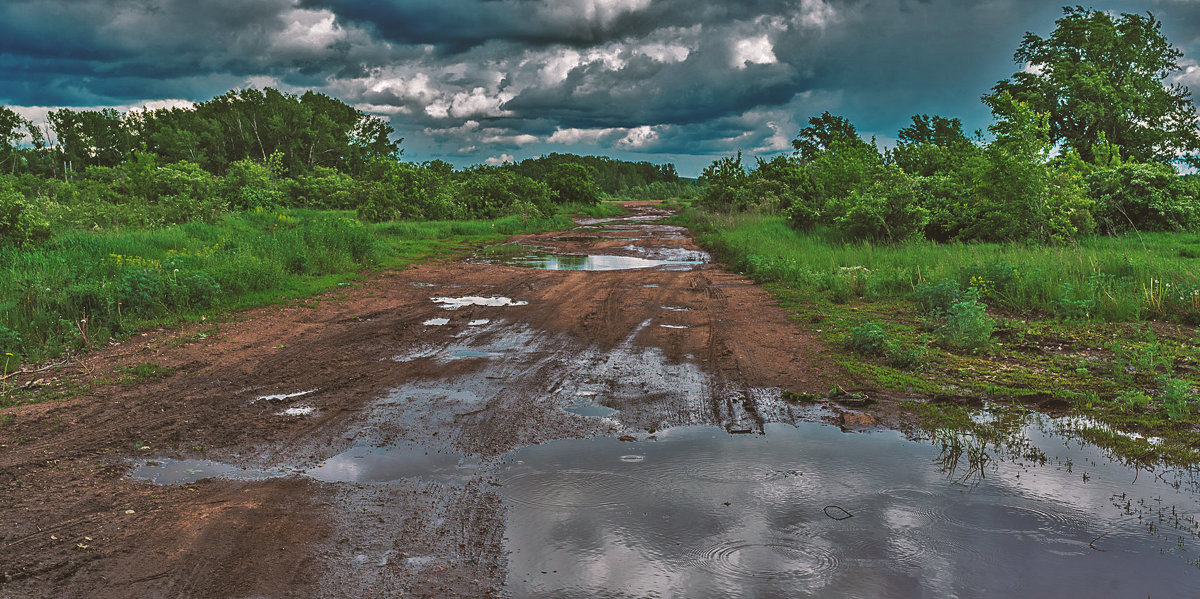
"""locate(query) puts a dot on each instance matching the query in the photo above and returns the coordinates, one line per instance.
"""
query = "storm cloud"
(472, 80)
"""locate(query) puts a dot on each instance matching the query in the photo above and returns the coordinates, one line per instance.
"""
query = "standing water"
(809, 511)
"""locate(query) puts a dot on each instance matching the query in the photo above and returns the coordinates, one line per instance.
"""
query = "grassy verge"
(946, 320)
(80, 289)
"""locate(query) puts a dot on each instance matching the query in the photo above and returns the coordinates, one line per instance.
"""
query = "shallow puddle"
(454, 303)
(179, 472)
(395, 462)
(810, 511)
(551, 261)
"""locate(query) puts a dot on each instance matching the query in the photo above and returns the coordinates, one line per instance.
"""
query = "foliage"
(1099, 75)
(21, 221)
(968, 326)
(573, 183)
(610, 175)
(1144, 197)
(723, 181)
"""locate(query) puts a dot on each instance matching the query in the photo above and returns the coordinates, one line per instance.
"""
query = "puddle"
(298, 411)
(673, 254)
(360, 464)
(673, 326)
(473, 353)
(584, 406)
(587, 238)
(454, 303)
(436, 322)
(809, 511)
(676, 308)
(179, 472)
(551, 261)
(395, 462)
(478, 323)
(282, 396)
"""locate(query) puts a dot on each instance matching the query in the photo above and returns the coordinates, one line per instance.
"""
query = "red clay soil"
(664, 346)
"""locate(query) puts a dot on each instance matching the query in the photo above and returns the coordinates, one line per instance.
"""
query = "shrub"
(1145, 197)
(21, 220)
(936, 299)
(869, 338)
(968, 326)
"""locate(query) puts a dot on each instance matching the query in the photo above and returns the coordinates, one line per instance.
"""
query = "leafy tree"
(1143, 197)
(571, 182)
(12, 129)
(1096, 75)
(823, 133)
(723, 182)
(932, 146)
(887, 210)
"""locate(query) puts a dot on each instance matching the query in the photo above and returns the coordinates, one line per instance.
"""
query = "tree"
(1096, 75)
(932, 146)
(823, 133)
(573, 183)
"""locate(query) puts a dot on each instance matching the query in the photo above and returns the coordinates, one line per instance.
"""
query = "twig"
(844, 510)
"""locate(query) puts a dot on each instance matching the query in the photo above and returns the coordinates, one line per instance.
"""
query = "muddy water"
(552, 261)
(810, 511)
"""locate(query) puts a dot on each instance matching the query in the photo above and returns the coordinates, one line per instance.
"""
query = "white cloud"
(603, 12)
(308, 31)
(638, 138)
(754, 50)
(501, 159)
(816, 14)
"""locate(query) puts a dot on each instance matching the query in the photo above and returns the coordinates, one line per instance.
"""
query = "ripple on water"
(574, 489)
(776, 558)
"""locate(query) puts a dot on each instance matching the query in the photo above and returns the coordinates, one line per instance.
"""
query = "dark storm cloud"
(472, 79)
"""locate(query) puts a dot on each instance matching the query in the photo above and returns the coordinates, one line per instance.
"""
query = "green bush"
(1144, 197)
(869, 338)
(936, 299)
(21, 221)
(968, 326)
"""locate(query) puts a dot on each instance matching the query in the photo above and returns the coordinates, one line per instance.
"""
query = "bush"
(869, 339)
(21, 221)
(1145, 197)
(936, 299)
(887, 210)
(968, 326)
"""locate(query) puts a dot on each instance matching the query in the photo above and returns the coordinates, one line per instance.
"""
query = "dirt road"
(365, 422)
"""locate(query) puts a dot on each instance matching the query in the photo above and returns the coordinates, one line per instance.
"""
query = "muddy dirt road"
(351, 435)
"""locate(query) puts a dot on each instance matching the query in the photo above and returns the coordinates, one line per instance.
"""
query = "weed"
(968, 326)
(869, 338)
(1177, 399)
(935, 299)
(1138, 361)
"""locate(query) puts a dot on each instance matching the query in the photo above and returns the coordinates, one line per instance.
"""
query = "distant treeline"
(1083, 142)
(252, 148)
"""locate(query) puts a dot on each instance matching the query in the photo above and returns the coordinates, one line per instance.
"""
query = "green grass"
(1123, 363)
(80, 289)
(1110, 279)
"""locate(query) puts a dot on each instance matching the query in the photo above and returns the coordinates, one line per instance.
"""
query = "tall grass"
(1151, 276)
(82, 288)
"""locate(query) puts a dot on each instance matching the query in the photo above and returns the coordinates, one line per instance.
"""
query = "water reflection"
(707, 514)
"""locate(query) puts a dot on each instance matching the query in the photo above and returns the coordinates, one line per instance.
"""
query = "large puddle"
(810, 511)
(552, 261)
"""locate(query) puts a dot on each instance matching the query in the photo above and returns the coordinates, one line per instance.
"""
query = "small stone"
(627, 438)
(859, 419)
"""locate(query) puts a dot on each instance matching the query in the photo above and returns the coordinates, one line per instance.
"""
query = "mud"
(467, 361)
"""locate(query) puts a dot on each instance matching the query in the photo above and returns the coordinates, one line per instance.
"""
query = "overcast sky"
(470, 81)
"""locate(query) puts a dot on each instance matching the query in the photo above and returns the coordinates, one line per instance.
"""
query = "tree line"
(1084, 140)
(251, 148)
